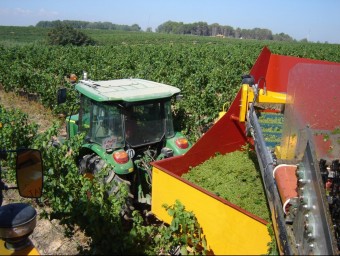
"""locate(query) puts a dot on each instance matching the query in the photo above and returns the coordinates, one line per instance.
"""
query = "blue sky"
(316, 20)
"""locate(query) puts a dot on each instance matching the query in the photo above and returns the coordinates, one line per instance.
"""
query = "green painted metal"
(71, 125)
(108, 158)
(171, 143)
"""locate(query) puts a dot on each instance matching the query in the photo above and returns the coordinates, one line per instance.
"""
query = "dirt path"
(48, 236)
(37, 113)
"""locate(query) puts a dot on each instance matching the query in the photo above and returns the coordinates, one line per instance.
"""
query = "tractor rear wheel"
(92, 164)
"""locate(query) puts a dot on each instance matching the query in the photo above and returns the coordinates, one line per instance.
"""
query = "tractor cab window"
(168, 120)
(85, 115)
(147, 123)
(102, 123)
(106, 126)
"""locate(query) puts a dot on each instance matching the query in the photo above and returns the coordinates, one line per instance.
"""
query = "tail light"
(121, 157)
(182, 143)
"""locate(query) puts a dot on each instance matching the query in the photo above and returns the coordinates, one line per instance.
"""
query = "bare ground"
(49, 235)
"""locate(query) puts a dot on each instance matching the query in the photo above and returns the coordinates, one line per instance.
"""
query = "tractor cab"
(126, 114)
(125, 125)
(128, 124)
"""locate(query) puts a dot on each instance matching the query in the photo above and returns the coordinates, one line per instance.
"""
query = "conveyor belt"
(271, 125)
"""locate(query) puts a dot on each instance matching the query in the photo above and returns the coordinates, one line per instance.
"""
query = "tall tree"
(64, 34)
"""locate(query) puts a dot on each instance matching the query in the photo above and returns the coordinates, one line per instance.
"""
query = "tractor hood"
(128, 90)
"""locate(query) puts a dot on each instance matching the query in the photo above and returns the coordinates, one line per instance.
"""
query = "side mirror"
(62, 96)
(29, 173)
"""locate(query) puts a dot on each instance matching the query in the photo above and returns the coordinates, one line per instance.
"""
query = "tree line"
(172, 27)
(215, 29)
(77, 24)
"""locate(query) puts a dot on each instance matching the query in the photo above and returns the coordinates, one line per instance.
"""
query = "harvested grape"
(235, 177)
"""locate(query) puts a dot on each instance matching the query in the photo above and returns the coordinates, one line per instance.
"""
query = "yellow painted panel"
(272, 97)
(227, 230)
(29, 250)
(244, 103)
(287, 150)
(247, 97)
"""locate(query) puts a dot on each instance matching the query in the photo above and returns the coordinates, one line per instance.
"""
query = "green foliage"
(184, 232)
(64, 34)
(272, 245)
(41, 70)
(79, 201)
(16, 129)
(15, 36)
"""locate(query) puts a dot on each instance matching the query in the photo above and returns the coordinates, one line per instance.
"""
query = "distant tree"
(48, 24)
(76, 23)
(238, 33)
(228, 31)
(63, 34)
(282, 37)
(149, 29)
(201, 28)
(215, 29)
(262, 34)
(135, 27)
(42, 24)
(167, 27)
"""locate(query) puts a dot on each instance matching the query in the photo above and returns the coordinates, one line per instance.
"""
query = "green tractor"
(127, 124)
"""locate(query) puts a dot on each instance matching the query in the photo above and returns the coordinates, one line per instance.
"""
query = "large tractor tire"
(92, 164)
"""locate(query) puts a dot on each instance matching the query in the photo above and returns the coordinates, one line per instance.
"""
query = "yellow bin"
(228, 229)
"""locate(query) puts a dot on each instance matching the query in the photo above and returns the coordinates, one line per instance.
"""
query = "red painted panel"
(228, 135)
(259, 69)
(225, 136)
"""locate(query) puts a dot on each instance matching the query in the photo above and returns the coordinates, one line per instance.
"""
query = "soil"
(49, 236)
